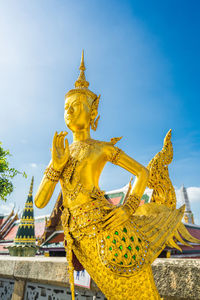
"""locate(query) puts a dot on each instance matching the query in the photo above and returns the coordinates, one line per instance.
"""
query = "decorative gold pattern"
(132, 203)
(159, 181)
(52, 174)
(115, 156)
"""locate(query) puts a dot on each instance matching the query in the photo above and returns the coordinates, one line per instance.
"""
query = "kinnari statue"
(116, 245)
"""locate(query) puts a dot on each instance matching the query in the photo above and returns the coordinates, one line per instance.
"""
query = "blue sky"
(141, 56)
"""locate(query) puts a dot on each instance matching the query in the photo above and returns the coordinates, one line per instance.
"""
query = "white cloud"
(194, 194)
(6, 208)
(33, 165)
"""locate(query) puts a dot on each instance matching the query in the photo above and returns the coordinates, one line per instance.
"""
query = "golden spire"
(31, 187)
(81, 82)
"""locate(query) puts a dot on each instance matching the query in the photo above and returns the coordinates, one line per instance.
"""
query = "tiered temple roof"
(24, 241)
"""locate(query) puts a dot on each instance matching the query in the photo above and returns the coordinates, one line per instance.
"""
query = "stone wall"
(176, 279)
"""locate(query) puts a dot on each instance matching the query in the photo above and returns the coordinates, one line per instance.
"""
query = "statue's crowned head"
(82, 92)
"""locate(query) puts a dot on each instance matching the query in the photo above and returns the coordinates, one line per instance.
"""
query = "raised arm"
(60, 155)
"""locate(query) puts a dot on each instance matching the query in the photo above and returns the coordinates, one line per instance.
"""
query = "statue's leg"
(140, 286)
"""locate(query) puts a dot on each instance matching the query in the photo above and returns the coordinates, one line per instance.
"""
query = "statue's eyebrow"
(67, 104)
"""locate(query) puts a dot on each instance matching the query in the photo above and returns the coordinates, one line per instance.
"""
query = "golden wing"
(162, 227)
(159, 220)
(159, 181)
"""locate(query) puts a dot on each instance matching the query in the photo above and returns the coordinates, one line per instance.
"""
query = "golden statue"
(116, 245)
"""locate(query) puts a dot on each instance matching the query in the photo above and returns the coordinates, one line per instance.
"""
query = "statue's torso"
(82, 171)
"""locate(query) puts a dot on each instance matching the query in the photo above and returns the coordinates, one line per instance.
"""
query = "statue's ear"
(94, 113)
(95, 105)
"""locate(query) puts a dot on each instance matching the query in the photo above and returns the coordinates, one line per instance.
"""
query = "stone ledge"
(46, 270)
(176, 279)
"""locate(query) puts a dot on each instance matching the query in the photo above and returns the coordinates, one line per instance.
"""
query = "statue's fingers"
(109, 215)
(59, 137)
(114, 225)
(58, 141)
(61, 142)
(55, 139)
(66, 145)
(108, 222)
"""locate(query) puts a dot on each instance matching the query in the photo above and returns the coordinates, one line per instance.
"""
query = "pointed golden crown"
(81, 84)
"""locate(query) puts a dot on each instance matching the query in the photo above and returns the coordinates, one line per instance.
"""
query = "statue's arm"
(141, 173)
(44, 191)
(120, 158)
(60, 155)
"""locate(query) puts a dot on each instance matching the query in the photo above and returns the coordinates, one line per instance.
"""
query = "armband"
(115, 156)
(52, 174)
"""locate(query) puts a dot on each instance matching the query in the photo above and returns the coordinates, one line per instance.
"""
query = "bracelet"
(115, 156)
(132, 203)
(52, 174)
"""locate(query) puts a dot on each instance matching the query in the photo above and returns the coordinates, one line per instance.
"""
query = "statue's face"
(77, 112)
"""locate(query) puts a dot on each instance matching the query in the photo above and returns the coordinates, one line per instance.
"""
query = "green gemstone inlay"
(108, 237)
(120, 247)
(114, 241)
(125, 230)
(123, 239)
(125, 255)
(116, 232)
(121, 263)
(137, 248)
(139, 240)
(133, 257)
(110, 248)
(129, 248)
(116, 254)
(132, 239)
(113, 259)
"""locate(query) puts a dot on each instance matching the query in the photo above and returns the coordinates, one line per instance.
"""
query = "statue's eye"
(76, 103)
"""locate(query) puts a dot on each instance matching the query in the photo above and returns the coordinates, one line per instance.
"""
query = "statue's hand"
(60, 150)
(116, 217)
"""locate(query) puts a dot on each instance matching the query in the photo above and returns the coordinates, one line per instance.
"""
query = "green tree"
(6, 174)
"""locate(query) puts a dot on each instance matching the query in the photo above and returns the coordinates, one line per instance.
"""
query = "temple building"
(188, 215)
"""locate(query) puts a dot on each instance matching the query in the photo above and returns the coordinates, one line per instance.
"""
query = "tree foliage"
(6, 174)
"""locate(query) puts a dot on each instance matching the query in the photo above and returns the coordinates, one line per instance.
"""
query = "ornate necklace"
(78, 151)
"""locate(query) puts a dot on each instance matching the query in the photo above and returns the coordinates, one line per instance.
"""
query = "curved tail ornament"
(159, 181)
(164, 193)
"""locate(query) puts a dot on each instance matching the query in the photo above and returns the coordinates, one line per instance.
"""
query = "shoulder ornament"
(114, 157)
(114, 141)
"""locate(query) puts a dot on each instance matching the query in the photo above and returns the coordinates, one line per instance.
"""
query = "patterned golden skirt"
(119, 260)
